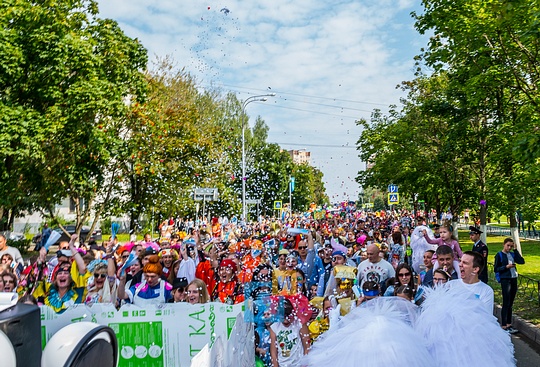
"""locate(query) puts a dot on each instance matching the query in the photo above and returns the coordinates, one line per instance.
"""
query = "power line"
(318, 145)
(311, 111)
(304, 95)
(326, 105)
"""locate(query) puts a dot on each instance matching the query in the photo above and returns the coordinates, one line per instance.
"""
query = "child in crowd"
(446, 239)
(289, 339)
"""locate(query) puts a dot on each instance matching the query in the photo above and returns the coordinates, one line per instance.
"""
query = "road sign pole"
(203, 207)
(290, 194)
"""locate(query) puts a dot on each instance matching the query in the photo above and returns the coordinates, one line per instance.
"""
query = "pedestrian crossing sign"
(393, 198)
(278, 205)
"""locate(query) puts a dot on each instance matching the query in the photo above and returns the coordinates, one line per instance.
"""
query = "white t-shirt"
(289, 343)
(378, 272)
(481, 290)
(15, 254)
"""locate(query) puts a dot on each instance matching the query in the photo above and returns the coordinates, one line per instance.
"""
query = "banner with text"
(165, 335)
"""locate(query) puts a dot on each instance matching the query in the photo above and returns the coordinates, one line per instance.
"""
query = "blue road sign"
(393, 199)
(392, 189)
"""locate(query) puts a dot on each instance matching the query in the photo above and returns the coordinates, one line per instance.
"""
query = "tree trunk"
(11, 219)
(514, 232)
(483, 226)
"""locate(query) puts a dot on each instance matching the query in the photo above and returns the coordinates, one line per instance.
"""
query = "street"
(527, 353)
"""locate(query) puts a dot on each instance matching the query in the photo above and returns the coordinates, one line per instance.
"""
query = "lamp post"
(258, 98)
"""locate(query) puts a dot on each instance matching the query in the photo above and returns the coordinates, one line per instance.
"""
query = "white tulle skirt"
(451, 329)
(378, 333)
(460, 332)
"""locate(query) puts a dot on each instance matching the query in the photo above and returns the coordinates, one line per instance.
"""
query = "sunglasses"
(299, 279)
(404, 274)
(125, 256)
(302, 247)
(97, 276)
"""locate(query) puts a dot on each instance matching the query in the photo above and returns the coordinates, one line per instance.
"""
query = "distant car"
(13, 236)
(96, 235)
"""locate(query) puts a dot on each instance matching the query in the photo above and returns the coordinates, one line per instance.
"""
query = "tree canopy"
(82, 116)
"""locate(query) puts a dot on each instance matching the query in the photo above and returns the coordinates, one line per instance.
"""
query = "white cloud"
(312, 53)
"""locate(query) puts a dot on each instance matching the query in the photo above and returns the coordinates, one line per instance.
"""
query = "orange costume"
(205, 272)
(250, 261)
(231, 292)
(216, 228)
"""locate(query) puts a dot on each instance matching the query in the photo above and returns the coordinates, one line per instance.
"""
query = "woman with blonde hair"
(197, 292)
(103, 288)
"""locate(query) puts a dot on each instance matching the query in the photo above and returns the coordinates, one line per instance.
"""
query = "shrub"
(21, 245)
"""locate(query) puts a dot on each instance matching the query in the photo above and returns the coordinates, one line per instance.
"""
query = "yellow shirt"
(76, 294)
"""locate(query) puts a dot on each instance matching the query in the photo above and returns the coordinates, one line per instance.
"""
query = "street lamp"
(259, 98)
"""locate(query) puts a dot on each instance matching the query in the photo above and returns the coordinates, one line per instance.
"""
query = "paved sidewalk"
(526, 328)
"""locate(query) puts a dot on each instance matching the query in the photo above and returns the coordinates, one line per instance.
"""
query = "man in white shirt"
(5, 249)
(375, 268)
(470, 267)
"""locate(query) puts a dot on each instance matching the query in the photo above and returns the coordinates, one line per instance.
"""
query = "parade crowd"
(299, 276)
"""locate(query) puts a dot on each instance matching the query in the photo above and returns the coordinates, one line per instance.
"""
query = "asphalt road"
(527, 353)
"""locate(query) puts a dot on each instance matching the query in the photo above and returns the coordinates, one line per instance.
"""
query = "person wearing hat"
(68, 283)
(152, 290)
(179, 288)
(370, 290)
(228, 289)
(339, 258)
(481, 248)
(148, 252)
(436, 228)
(61, 257)
(282, 259)
(284, 278)
(341, 285)
(292, 260)
(62, 292)
(168, 257)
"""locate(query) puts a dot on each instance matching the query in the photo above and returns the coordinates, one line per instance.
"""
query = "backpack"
(497, 274)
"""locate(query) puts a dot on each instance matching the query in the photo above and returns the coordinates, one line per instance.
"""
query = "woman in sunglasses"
(103, 288)
(404, 276)
(68, 283)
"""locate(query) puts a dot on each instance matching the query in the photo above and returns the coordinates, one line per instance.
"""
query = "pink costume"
(454, 245)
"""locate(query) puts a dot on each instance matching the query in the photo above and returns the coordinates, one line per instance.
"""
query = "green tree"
(179, 140)
(491, 48)
(68, 80)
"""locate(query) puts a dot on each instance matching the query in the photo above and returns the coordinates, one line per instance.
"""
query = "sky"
(330, 63)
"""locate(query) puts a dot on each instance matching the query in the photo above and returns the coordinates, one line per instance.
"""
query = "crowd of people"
(298, 276)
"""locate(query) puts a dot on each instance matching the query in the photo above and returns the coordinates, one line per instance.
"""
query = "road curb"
(525, 328)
